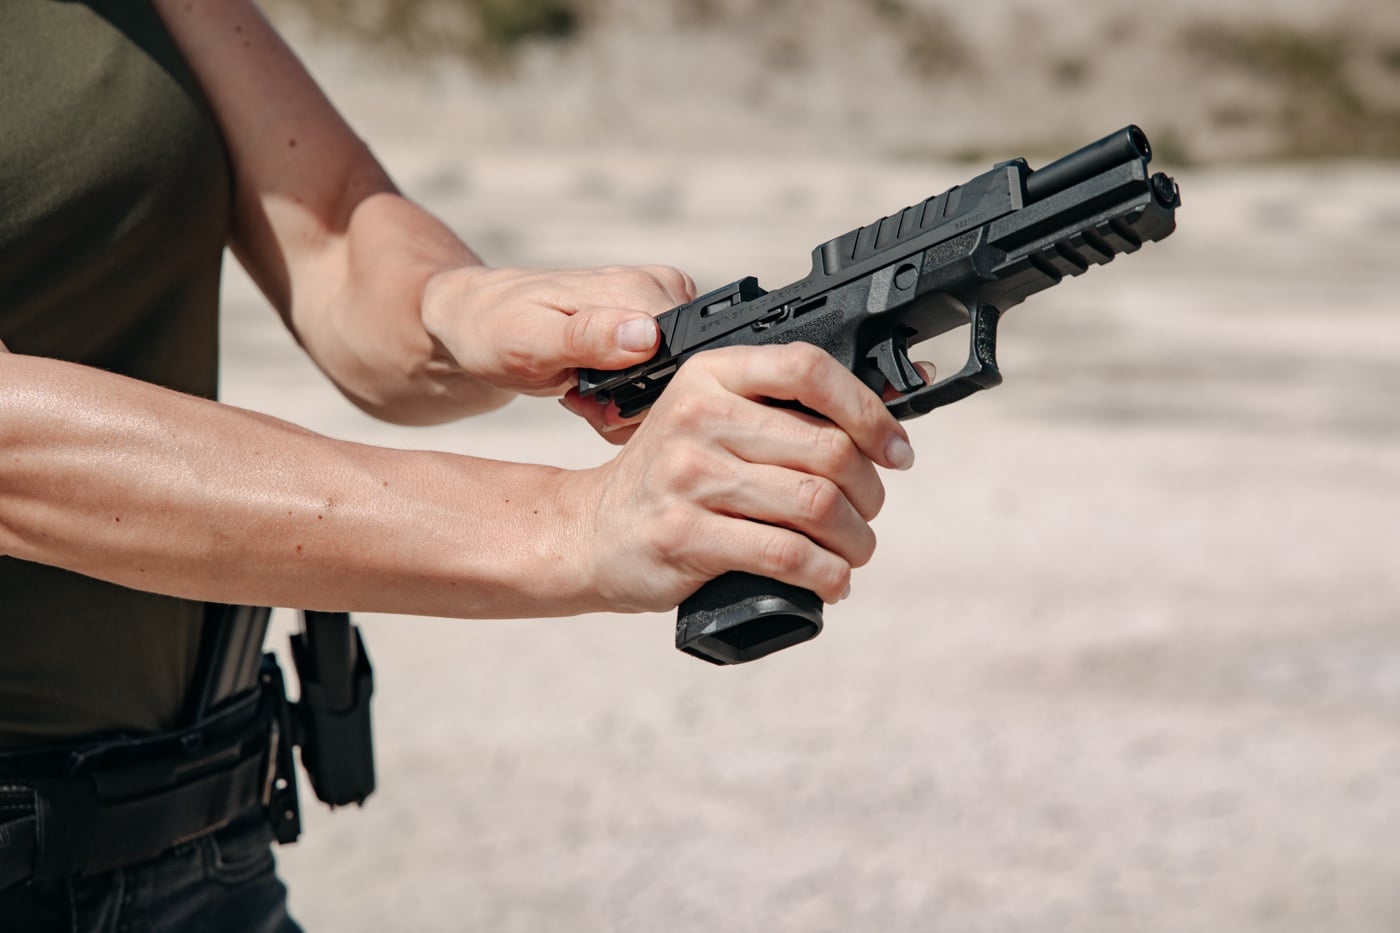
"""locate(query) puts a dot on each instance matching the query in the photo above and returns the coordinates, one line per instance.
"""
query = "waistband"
(112, 802)
(68, 759)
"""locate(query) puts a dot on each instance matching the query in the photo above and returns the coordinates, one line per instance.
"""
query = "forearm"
(393, 306)
(319, 225)
(159, 491)
(357, 309)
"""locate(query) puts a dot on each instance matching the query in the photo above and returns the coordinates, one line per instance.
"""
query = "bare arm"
(393, 306)
(161, 491)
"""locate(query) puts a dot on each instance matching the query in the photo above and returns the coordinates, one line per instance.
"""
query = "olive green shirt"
(115, 194)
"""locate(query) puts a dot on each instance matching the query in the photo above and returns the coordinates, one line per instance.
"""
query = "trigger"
(891, 357)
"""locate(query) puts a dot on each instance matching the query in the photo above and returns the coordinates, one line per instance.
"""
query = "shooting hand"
(527, 330)
(717, 478)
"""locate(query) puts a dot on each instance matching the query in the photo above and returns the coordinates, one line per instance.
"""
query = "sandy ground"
(1127, 658)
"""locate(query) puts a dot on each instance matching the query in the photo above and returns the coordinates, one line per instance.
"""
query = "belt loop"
(66, 809)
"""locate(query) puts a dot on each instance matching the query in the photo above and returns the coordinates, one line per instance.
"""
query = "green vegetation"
(1320, 109)
(488, 32)
(1069, 71)
(1390, 58)
(932, 45)
(507, 23)
(1275, 50)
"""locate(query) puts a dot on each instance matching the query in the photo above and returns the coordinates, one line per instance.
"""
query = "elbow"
(423, 401)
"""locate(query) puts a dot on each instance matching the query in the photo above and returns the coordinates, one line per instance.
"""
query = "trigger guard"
(980, 372)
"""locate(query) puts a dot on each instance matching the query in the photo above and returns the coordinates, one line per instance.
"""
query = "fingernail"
(846, 592)
(637, 334)
(900, 454)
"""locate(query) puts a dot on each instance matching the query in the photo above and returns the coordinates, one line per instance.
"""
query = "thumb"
(609, 338)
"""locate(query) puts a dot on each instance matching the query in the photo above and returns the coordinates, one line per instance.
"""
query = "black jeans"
(223, 882)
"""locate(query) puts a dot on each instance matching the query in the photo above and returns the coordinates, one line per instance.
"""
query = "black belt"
(71, 810)
(106, 804)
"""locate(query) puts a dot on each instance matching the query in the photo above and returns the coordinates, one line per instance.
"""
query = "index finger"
(806, 374)
(605, 419)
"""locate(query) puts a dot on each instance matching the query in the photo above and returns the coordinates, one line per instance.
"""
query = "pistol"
(960, 258)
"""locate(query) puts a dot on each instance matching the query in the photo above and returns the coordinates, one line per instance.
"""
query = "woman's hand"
(717, 479)
(527, 331)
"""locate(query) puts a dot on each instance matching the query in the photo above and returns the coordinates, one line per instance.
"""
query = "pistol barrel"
(1125, 145)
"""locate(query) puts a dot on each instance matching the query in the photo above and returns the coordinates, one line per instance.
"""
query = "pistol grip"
(739, 617)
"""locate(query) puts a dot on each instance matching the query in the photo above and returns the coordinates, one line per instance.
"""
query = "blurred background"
(1128, 655)
(905, 79)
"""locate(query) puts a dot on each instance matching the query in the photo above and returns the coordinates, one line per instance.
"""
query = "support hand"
(527, 330)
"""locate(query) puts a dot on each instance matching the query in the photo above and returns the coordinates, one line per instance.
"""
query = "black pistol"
(960, 258)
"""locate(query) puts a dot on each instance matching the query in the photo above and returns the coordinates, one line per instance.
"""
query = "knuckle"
(872, 408)
(809, 355)
(687, 410)
(687, 285)
(807, 362)
(693, 412)
(839, 578)
(818, 500)
(645, 279)
(729, 360)
(863, 549)
(830, 579)
(686, 468)
(580, 335)
(674, 530)
(782, 554)
(672, 281)
(832, 450)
